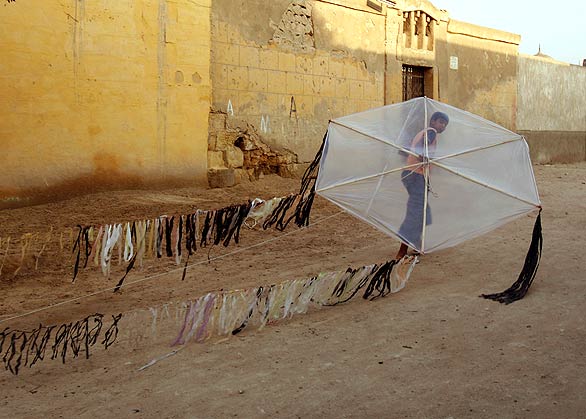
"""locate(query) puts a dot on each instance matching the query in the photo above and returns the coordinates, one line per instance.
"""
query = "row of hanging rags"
(175, 236)
(170, 236)
(218, 312)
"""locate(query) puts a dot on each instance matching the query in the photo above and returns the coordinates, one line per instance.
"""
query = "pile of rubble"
(236, 153)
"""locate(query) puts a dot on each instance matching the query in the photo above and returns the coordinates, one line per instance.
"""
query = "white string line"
(167, 272)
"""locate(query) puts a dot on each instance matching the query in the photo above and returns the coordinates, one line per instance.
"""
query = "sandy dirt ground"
(432, 350)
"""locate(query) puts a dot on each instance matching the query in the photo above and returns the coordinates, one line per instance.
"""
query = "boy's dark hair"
(440, 115)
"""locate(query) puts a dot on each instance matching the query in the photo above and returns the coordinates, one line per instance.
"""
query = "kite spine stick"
(426, 176)
(405, 150)
(474, 150)
(411, 166)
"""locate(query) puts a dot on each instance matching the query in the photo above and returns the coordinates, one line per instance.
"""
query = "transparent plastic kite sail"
(429, 188)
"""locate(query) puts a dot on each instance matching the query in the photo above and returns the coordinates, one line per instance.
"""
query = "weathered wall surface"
(287, 67)
(485, 80)
(118, 93)
(552, 95)
(552, 109)
(467, 66)
(102, 94)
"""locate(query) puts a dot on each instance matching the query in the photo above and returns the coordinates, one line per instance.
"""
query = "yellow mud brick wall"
(102, 94)
(287, 67)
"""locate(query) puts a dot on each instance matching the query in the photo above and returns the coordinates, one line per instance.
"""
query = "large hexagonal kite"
(429, 174)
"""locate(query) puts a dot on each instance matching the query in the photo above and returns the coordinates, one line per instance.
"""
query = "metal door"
(413, 85)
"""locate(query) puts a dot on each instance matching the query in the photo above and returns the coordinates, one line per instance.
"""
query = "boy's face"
(439, 125)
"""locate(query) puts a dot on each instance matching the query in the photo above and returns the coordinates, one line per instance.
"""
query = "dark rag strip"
(342, 286)
(19, 348)
(77, 251)
(185, 267)
(88, 248)
(520, 287)
(189, 234)
(168, 231)
(160, 233)
(381, 281)
(180, 232)
(233, 230)
(243, 211)
(303, 208)
(277, 217)
(207, 225)
(128, 269)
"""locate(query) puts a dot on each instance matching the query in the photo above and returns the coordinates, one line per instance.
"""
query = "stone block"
(249, 103)
(219, 73)
(320, 65)
(291, 170)
(221, 178)
(237, 78)
(335, 68)
(269, 59)
(304, 104)
(257, 80)
(218, 32)
(233, 157)
(328, 87)
(356, 89)
(212, 141)
(277, 81)
(241, 175)
(286, 61)
(249, 56)
(371, 91)
(225, 53)
(304, 64)
(223, 140)
(342, 88)
(294, 84)
(236, 124)
(350, 70)
(217, 122)
(216, 159)
(363, 73)
(309, 85)
(221, 99)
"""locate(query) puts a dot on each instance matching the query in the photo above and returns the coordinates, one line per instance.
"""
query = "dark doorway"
(417, 81)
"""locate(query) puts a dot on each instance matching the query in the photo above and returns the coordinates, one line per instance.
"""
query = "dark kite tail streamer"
(521, 286)
(303, 208)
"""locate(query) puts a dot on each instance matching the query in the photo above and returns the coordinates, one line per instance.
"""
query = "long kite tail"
(521, 285)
